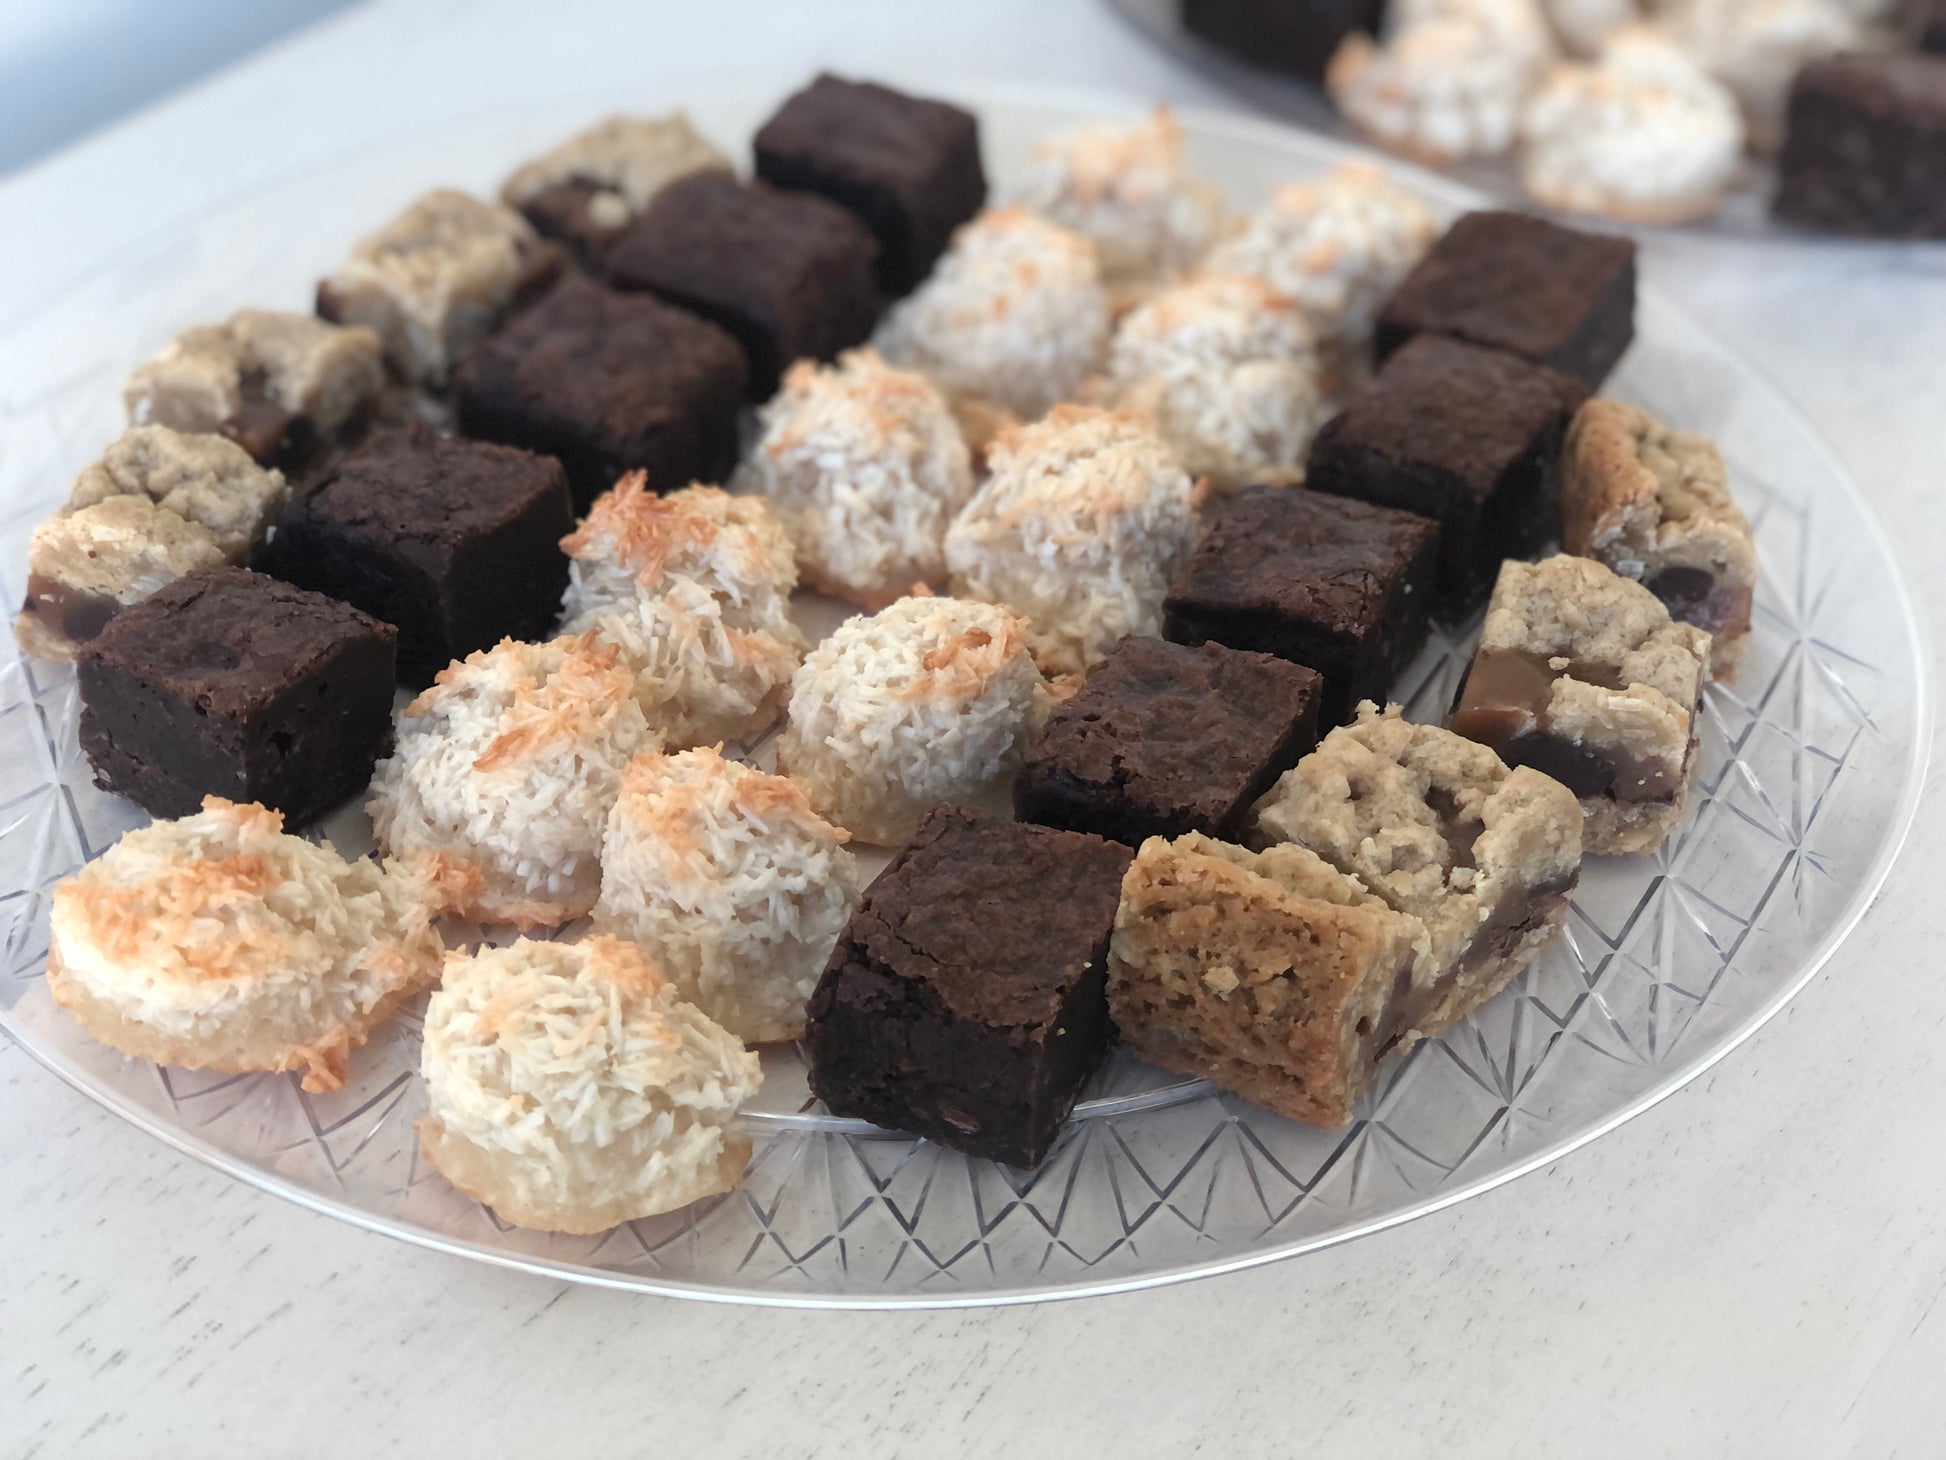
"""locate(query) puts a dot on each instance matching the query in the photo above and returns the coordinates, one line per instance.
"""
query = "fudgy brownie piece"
(1162, 740)
(1438, 827)
(1582, 675)
(789, 274)
(964, 1000)
(233, 684)
(1469, 437)
(1339, 585)
(455, 543)
(908, 166)
(609, 383)
(1924, 24)
(1553, 295)
(1269, 973)
(1295, 36)
(1865, 146)
(1654, 505)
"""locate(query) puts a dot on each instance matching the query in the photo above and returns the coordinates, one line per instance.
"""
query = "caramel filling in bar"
(74, 614)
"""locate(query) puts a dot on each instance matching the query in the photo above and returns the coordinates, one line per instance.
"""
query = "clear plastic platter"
(1811, 765)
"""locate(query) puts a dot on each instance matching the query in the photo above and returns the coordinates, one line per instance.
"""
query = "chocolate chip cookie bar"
(1582, 675)
(1654, 505)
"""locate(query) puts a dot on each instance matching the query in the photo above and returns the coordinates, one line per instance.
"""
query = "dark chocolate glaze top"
(996, 917)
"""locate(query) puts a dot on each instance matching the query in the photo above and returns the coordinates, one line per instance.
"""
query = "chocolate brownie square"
(455, 543)
(1293, 36)
(1163, 739)
(1865, 146)
(608, 383)
(964, 1000)
(788, 274)
(1469, 437)
(1924, 24)
(1553, 295)
(1341, 586)
(234, 684)
(908, 166)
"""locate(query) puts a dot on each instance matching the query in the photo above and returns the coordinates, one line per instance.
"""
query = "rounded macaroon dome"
(571, 1090)
(220, 942)
(927, 700)
(730, 882)
(865, 467)
(1014, 315)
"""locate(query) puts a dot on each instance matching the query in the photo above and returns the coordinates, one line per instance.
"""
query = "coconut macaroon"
(927, 700)
(569, 1089)
(218, 942)
(1643, 135)
(1337, 247)
(504, 772)
(1126, 188)
(694, 590)
(1756, 47)
(1014, 314)
(1447, 81)
(1227, 369)
(1084, 520)
(865, 466)
(728, 879)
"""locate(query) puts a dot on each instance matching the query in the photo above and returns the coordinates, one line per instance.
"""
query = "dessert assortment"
(1833, 112)
(1146, 505)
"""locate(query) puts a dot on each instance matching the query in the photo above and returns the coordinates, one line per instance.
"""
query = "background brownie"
(908, 166)
(964, 1001)
(788, 274)
(1553, 295)
(1466, 436)
(456, 543)
(234, 684)
(1295, 36)
(1342, 586)
(608, 383)
(1865, 146)
(1164, 739)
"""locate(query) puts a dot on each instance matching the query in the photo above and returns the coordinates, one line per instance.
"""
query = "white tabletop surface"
(1752, 1268)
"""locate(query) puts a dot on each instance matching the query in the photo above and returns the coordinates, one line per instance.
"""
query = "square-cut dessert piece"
(1865, 145)
(1924, 24)
(964, 1000)
(1339, 585)
(455, 543)
(1467, 436)
(1654, 505)
(908, 166)
(1582, 674)
(229, 683)
(1440, 828)
(1269, 973)
(788, 274)
(1162, 740)
(438, 278)
(587, 190)
(608, 383)
(279, 385)
(1553, 295)
(1278, 35)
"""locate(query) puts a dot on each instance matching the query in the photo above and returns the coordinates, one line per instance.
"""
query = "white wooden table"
(1752, 1268)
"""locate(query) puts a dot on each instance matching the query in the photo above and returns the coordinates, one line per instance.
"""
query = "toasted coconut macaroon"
(927, 700)
(865, 466)
(218, 942)
(1085, 519)
(503, 776)
(1227, 369)
(1015, 314)
(1338, 247)
(1643, 135)
(207, 480)
(1126, 188)
(694, 589)
(1756, 47)
(730, 882)
(571, 1090)
(592, 186)
(1448, 79)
